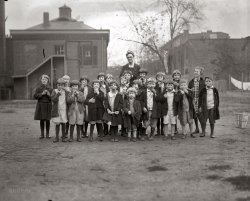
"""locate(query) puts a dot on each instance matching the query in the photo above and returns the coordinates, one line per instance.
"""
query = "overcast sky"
(230, 16)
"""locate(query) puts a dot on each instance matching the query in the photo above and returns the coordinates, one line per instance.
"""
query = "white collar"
(112, 94)
(210, 87)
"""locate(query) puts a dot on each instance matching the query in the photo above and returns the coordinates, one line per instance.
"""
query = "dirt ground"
(191, 169)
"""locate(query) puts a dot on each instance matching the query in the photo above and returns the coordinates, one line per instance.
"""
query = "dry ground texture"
(191, 169)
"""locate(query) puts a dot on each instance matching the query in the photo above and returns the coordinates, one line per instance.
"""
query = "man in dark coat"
(209, 106)
(131, 66)
(196, 85)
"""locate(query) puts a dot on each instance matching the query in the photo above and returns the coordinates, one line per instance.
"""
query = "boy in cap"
(186, 112)
(94, 101)
(132, 113)
(209, 106)
(128, 75)
(59, 108)
(169, 109)
(75, 101)
(142, 76)
(113, 105)
(85, 88)
(148, 100)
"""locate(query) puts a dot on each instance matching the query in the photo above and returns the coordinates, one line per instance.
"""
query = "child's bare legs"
(129, 135)
(134, 135)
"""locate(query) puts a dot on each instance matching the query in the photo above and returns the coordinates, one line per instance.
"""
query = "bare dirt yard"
(181, 170)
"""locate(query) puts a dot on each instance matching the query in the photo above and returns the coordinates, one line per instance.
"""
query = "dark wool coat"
(96, 110)
(86, 111)
(135, 71)
(179, 100)
(143, 102)
(201, 84)
(71, 103)
(164, 104)
(55, 100)
(136, 116)
(115, 119)
(159, 103)
(203, 103)
(43, 106)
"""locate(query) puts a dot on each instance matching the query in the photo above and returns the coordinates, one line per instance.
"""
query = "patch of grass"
(241, 183)
(220, 167)
(156, 168)
(243, 199)
(213, 177)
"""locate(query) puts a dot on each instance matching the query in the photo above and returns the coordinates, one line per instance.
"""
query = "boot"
(71, 133)
(42, 129)
(47, 129)
(100, 131)
(63, 133)
(78, 133)
(57, 134)
(67, 130)
(212, 131)
(203, 126)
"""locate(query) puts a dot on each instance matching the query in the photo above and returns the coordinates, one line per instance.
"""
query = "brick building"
(55, 47)
(220, 55)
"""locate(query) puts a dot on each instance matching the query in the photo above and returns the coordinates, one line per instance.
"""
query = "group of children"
(133, 104)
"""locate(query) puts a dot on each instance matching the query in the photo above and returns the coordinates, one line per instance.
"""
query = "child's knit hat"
(114, 82)
(183, 81)
(95, 81)
(169, 82)
(66, 77)
(74, 82)
(143, 70)
(60, 81)
(176, 72)
(160, 74)
(151, 79)
(84, 77)
(101, 74)
(131, 90)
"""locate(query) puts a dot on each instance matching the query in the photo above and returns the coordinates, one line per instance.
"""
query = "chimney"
(65, 12)
(46, 19)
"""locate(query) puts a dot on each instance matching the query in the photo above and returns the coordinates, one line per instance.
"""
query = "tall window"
(59, 49)
(89, 54)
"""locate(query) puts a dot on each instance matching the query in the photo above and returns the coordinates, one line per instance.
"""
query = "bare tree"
(180, 14)
(151, 31)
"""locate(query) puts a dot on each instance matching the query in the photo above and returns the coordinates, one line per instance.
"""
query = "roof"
(62, 24)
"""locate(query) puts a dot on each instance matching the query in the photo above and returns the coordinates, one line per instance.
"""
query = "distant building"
(55, 47)
(215, 51)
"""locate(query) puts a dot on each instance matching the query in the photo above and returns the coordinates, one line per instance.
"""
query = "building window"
(89, 54)
(59, 49)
